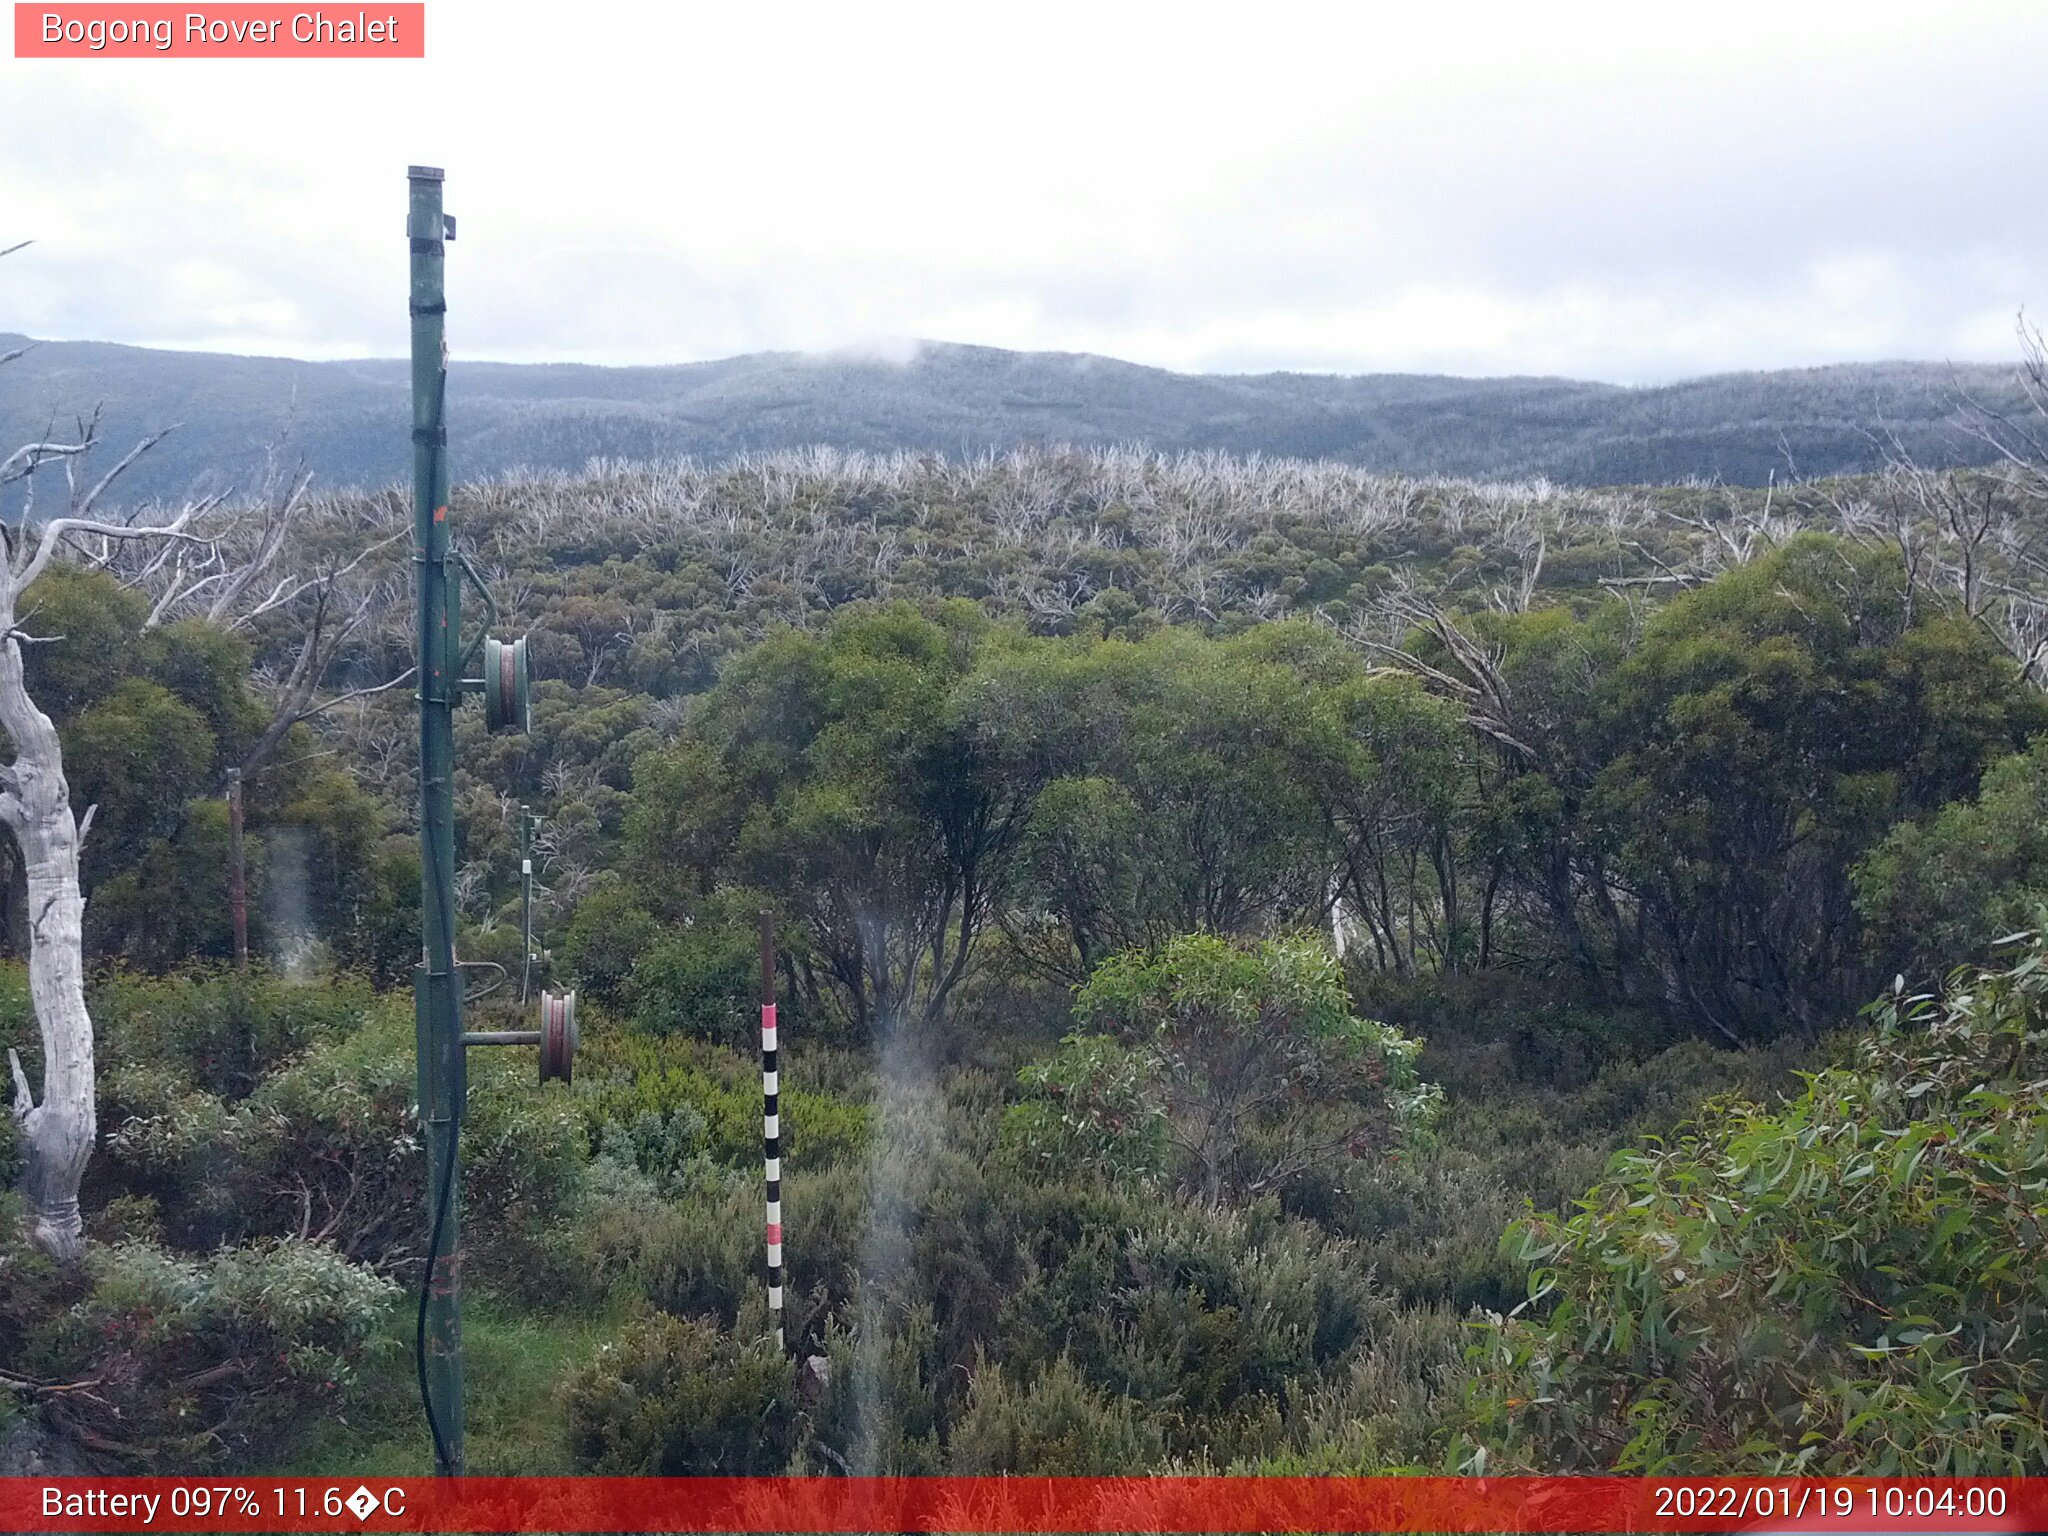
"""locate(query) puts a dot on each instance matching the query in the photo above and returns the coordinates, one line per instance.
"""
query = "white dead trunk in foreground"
(57, 1133)
(58, 1130)
(35, 806)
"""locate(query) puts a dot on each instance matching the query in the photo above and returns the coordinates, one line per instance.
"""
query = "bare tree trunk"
(35, 804)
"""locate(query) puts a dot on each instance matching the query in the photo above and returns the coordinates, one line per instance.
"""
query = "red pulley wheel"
(557, 1036)
(507, 691)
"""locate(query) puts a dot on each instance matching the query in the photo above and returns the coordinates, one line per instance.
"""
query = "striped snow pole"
(771, 1124)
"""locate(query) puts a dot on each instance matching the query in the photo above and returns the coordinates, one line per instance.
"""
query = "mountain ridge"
(347, 418)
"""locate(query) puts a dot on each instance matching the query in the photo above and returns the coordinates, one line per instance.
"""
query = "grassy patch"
(515, 1365)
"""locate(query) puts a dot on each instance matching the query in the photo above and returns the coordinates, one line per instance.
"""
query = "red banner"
(1078, 1504)
(226, 31)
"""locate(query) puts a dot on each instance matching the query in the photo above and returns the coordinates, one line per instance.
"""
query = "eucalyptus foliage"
(1851, 1282)
(1231, 1067)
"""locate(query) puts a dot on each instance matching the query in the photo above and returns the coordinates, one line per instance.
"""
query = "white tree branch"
(82, 507)
(358, 693)
(58, 529)
(30, 457)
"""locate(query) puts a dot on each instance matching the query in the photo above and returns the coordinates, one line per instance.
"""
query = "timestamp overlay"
(1075, 1504)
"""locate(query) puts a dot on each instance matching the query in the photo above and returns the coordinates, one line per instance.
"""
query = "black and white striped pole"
(771, 1124)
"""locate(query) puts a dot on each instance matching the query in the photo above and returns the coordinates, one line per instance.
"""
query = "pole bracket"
(483, 590)
(558, 1036)
(482, 965)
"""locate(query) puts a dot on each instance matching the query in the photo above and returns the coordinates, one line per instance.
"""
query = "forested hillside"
(1241, 921)
(347, 419)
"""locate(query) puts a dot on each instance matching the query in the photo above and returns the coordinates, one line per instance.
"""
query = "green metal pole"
(443, 1086)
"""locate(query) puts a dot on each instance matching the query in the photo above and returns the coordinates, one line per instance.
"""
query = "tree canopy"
(1231, 1069)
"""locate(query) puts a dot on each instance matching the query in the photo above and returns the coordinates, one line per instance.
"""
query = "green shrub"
(1386, 1410)
(1943, 890)
(704, 979)
(327, 1149)
(1093, 1103)
(1204, 1317)
(18, 1030)
(697, 1257)
(1054, 1425)
(674, 1098)
(200, 1361)
(702, 1253)
(223, 1029)
(606, 938)
(679, 1396)
(17, 1007)
(1516, 1130)
(879, 1413)
(1245, 1059)
(168, 1138)
(1548, 1033)
(1428, 1226)
(1846, 1283)
(344, 1122)
(33, 1287)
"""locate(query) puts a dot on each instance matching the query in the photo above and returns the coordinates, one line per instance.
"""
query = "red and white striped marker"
(771, 1124)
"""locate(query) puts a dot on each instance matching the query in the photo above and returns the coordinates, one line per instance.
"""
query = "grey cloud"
(1699, 222)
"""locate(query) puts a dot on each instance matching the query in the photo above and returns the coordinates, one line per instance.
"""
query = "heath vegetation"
(1283, 968)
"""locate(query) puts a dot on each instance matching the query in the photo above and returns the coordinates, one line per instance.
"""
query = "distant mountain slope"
(349, 418)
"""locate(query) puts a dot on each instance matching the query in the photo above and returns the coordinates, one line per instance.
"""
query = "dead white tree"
(57, 1129)
(258, 575)
(1528, 540)
(261, 577)
(1972, 537)
(1468, 670)
(2017, 433)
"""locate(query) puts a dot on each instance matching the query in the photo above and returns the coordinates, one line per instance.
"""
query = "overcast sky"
(1635, 192)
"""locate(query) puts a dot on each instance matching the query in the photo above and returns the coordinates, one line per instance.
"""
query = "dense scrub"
(1662, 812)
(1847, 1282)
(1216, 901)
(640, 583)
(978, 1310)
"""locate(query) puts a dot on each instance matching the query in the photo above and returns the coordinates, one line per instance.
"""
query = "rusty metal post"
(238, 879)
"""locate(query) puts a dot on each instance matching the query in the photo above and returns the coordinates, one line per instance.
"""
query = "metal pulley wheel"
(507, 693)
(558, 1037)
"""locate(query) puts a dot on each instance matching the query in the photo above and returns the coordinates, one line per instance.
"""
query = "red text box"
(882, 1506)
(229, 31)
